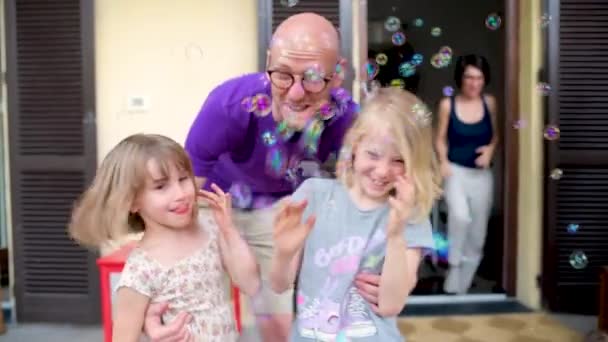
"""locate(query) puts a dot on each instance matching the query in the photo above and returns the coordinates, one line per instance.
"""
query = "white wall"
(174, 53)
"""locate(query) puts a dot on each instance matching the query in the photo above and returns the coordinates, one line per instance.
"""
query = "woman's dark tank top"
(465, 138)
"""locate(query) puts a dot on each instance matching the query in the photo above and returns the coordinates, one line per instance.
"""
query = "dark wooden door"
(52, 155)
(577, 71)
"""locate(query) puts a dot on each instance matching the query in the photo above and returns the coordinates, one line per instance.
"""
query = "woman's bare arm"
(441, 137)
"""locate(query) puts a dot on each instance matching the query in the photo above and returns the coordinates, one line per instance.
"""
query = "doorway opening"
(414, 45)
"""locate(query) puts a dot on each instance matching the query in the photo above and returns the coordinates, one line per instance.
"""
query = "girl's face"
(166, 201)
(473, 82)
(376, 165)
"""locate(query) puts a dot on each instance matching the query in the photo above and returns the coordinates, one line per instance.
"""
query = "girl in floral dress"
(146, 184)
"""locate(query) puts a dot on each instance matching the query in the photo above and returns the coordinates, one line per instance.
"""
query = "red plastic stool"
(110, 267)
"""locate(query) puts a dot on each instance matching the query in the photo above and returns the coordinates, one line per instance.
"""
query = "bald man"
(252, 135)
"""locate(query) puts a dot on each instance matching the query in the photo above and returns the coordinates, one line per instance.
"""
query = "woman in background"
(466, 141)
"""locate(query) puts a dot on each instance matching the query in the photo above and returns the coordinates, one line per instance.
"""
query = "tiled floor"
(459, 326)
(529, 327)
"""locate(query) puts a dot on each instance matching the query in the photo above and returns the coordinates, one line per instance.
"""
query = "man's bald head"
(303, 56)
(305, 35)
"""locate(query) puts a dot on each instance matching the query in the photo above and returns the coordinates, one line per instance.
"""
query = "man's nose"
(296, 92)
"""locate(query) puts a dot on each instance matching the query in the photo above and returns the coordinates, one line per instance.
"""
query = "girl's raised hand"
(221, 205)
(401, 205)
(289, 231)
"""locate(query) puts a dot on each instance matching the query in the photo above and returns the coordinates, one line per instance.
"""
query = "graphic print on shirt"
(340, 310)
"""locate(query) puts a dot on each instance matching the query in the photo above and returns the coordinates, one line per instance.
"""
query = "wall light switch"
(138, 103)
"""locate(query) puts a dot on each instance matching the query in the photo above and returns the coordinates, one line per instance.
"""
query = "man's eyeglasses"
(312, 81)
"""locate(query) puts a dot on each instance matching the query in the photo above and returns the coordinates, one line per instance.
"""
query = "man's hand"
(176, 331)
(368, 285)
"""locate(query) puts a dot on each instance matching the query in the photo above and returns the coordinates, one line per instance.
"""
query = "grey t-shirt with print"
(345, 241)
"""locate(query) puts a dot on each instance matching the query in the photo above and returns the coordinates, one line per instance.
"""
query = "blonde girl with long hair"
(146, 184)
(373, 219)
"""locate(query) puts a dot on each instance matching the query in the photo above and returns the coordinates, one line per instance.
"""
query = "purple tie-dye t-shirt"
(245, 151)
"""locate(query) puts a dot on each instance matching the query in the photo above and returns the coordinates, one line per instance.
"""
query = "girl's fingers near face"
(202, 194)
(402, 186)
(228, 201)
(217, 189)
(393, 202)
(211, 197)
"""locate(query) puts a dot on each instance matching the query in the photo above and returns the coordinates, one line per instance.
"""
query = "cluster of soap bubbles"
(493, 21)
(556, 174)
(552, 132)
(442, 245)
(407, 69)
(543, 88)
(260, 104)
(436, 31)
(577, 259)
(439, 60)
(545, 20)
(241, 195)
(398, 38)
(448, 91)
(422, 114)
(442, 58)
(393, 24)
(312, 136)
(276, 161)
(381, 59)
(371, 69)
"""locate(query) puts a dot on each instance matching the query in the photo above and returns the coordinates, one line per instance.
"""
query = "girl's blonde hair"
(103, 212)
(406, 119)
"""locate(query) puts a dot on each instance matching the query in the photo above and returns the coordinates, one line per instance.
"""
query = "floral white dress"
(195, 284)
